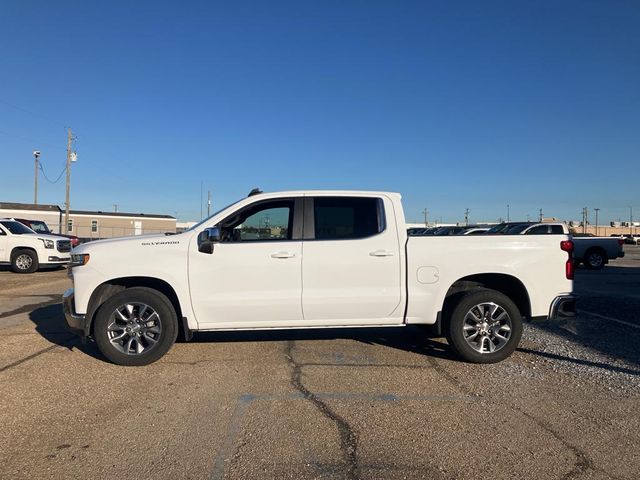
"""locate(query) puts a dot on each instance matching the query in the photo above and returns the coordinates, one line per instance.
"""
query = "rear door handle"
(283, 255)
(381, 253)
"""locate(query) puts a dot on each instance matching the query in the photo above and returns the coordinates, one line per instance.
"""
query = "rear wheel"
(485, 327)
(595, 259)
(24, 261)
(136, 326)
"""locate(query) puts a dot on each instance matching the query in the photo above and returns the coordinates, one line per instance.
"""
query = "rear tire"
(24, 261)
(485, 327)
(595, 259)
(136, 326)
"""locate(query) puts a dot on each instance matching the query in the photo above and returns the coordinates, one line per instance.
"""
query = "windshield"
(197, 225)
(39, 227)
(516, 229)
(16, 227)
(503, 227)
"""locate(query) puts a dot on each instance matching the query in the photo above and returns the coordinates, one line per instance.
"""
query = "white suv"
(26, 250)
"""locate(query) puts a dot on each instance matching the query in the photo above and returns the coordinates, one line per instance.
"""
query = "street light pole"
(426, 212)
(36, 155)
(508, 217)
(597, 210)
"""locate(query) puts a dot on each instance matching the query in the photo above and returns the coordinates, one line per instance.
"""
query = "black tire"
(166, 321)
(595, 259)
(457, 321)
(24, 261)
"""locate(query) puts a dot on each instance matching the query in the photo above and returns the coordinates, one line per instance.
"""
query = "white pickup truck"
(315, 259)
(26, 250)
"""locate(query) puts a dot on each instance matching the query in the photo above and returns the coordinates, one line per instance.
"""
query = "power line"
(21, 137)
(33, 113)
(47, 178)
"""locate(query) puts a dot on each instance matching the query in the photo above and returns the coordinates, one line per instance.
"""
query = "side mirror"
(207, 238)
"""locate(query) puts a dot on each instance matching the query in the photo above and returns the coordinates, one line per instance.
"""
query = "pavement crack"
(583, 462)
(348, 439)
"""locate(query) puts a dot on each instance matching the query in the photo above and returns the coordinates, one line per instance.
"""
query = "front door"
(253, 276)
(351, 265)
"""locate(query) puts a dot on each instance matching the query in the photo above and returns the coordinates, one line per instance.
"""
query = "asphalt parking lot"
(330, 404)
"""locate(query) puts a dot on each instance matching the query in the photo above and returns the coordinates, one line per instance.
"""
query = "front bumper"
(75, 322)
(563, 306)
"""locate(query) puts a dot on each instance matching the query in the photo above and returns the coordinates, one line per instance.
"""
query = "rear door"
(351, 261)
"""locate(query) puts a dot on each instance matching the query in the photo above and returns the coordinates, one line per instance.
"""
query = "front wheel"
(485, 327)
(136, 327)
(24, 261)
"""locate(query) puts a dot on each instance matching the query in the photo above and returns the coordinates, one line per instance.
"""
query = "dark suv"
(39, 226)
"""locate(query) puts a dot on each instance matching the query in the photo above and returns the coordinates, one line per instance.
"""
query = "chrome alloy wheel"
(134, 328)
(487, 327)
(24, 262)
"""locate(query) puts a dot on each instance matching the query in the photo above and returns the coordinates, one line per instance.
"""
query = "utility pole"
(208, 203)
(508, 216)
(70, 158)
(631, 221)
(540, 215)
(597, 210)
(36, 156)
(466, 217)
(115, 207)
(584, 219)
(425, 212)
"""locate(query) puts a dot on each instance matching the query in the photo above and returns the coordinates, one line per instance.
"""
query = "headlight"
(78, 259)
(47, 243)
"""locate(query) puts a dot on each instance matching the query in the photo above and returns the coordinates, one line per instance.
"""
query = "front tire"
(136, 326)
(24, 261)
(485, 327)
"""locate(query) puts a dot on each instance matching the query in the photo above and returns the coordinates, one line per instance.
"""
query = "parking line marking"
(611, 319)
(226, 450)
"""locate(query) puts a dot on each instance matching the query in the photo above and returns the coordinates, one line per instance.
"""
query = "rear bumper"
(563, 306)
(76, 323)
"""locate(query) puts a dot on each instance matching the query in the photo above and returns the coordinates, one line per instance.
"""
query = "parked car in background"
(39, 226)
(595, 252)
(475, 231)
(26, 250)
(416, 232)
(528, 228)
(446, 231)
(502, 228)
(632, 239)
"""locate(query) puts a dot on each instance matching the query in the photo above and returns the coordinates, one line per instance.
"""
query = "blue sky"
(454, 104)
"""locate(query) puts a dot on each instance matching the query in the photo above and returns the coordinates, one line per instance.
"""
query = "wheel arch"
(504, 283)
(14, 249)
(107, 289)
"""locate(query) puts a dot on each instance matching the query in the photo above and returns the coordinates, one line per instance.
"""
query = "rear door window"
(344, 218)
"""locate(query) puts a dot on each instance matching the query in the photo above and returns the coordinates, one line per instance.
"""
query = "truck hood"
(123, 244)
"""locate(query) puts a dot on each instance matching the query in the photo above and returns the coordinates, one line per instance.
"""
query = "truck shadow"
(49, 322)
(410, 339)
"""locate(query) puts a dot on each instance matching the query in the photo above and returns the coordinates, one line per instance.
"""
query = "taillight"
(620, 241)
(570, 266)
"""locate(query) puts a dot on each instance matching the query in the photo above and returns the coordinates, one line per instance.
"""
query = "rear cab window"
(347, 218)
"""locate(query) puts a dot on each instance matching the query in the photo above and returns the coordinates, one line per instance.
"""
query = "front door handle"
(283, 255)
(381, 253)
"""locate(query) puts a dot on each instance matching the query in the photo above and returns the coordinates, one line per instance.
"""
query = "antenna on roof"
(253, 192)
